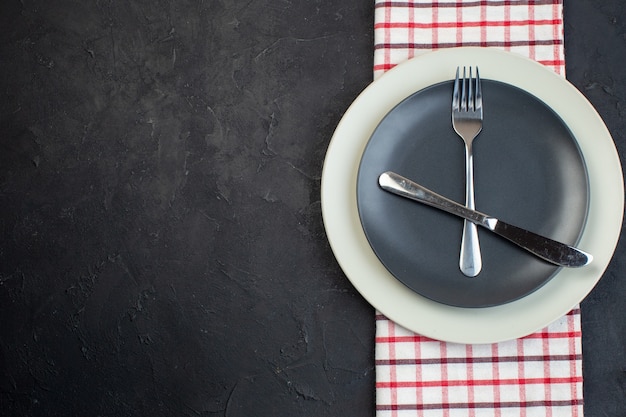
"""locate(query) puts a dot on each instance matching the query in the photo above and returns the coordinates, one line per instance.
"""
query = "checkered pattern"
(536, 376)
(405, 29)
(539, 375)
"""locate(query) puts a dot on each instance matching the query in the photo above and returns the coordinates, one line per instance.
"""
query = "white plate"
(424, 316)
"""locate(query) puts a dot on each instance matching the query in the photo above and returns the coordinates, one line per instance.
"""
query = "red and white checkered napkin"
(541, 374)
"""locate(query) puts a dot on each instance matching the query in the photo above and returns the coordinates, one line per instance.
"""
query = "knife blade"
(543, 247)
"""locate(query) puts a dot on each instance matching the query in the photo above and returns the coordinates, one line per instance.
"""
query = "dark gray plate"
(528, 172)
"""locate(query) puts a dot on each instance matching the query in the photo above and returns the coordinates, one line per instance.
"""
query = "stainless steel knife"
(541, 246)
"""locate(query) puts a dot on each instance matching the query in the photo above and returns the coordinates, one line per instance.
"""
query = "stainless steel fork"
(467, 120)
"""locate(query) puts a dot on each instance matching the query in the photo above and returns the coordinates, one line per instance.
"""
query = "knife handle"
(397, 184)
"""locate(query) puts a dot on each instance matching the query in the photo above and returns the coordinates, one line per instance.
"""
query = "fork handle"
(470, 258)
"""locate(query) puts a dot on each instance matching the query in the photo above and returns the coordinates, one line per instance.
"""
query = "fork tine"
(479, 93)
(470, 95)
(455, 93)
(464, 92)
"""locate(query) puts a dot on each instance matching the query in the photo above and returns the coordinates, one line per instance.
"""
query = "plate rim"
(458, 324)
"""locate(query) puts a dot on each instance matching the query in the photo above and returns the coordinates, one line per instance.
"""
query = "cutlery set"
(467, 121)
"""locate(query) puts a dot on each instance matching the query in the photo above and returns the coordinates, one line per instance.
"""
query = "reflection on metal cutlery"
(543, 247)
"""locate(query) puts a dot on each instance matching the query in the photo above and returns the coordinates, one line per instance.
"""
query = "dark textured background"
(162, 247)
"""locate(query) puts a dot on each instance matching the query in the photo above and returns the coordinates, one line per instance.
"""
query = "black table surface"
(163, 251)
